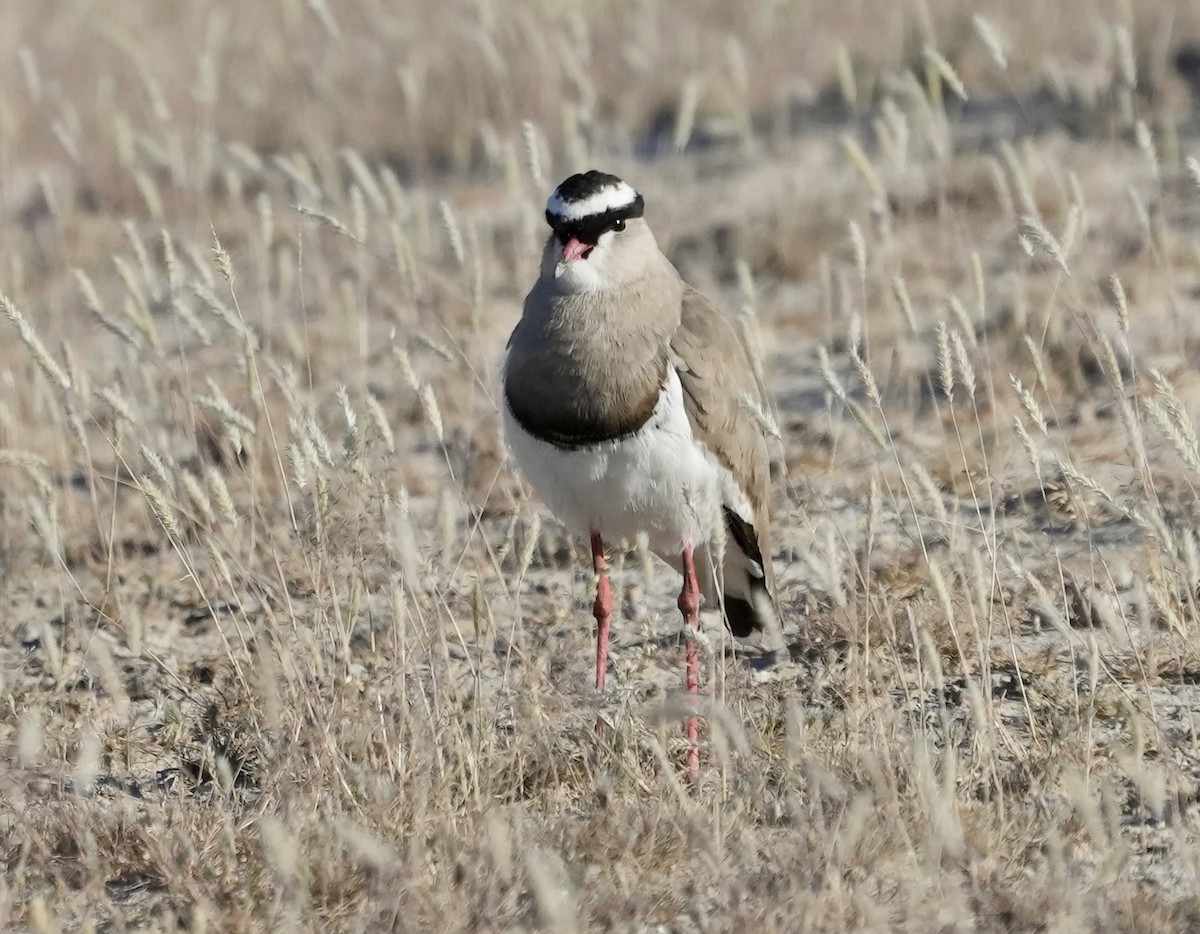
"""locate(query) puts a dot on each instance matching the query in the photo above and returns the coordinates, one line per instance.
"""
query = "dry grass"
(285, 645)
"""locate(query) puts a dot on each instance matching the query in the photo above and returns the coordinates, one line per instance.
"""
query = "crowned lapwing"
(629, 403)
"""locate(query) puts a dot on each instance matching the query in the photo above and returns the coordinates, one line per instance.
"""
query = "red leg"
(602, 609)
(689, 606)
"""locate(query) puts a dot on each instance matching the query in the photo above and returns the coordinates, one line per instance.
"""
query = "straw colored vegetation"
(284, 643)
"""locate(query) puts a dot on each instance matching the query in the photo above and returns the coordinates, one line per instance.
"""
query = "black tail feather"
(745, 614)
(742, 618)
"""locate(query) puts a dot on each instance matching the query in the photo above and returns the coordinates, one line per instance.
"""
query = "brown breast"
(556, 399)
(583, 369)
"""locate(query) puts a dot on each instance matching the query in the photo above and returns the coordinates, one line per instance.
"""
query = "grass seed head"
(944, 361)
(991, 40)
(946, 71)
(29, 337)
(1192, 164)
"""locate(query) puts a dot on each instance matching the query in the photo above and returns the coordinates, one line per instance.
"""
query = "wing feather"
(718, 383)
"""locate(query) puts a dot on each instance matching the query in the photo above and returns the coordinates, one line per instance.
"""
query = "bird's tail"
(741, 583)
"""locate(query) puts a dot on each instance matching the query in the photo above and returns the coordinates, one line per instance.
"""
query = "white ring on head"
(608, 198)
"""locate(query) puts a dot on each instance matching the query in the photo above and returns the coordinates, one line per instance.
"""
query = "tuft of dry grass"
(285, 645)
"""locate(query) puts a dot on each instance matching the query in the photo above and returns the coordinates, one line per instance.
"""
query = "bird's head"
(599, 239)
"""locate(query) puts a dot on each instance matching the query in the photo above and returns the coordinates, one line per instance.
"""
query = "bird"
(631, 406)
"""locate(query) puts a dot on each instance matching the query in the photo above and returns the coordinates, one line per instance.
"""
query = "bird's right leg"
(602, 609)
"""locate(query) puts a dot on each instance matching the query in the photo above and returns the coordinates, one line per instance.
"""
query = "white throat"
(579, 276)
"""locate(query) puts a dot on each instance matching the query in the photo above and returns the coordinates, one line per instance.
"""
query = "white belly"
(658, 480)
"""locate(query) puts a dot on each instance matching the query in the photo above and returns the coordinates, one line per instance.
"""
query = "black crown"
(582, 186)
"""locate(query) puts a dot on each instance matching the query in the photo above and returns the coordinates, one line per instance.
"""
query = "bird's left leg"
(689, 606)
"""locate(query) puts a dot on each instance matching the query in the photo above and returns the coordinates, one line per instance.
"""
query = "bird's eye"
(619, 224)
